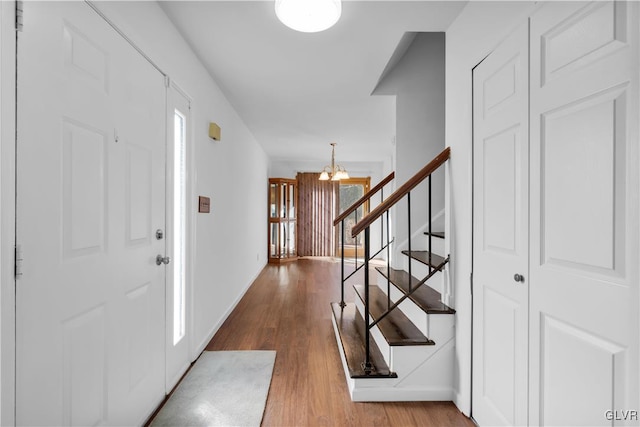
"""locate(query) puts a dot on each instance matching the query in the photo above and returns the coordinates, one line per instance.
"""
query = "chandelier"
(308, 16)
(333, 172)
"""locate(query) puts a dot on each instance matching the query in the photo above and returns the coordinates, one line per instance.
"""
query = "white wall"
(231, 241)
(470, 38)
(417, 80)
(7, 209)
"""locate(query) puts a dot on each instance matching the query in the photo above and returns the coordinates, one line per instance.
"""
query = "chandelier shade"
(308, 16)
(333, 172)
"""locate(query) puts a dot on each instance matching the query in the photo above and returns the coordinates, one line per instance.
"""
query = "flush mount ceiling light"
(333, 172)
(308, 16)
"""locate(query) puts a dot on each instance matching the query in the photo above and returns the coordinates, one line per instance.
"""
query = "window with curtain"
(351, 190)
(317, 201)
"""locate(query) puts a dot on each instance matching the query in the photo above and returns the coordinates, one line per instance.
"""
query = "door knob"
(518, 277)
(162, 260)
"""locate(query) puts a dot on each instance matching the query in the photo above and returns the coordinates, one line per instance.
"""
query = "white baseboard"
(203, 344)
(393, 394)
(462, 403)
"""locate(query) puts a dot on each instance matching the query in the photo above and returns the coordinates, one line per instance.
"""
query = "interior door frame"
(366, 183)
(191, 210)
(473, 230)
(8, 37)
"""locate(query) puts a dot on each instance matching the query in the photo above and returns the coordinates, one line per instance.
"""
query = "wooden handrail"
(401, 192)
(364, 198)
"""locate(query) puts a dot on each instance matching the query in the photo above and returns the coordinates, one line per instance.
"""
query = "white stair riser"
(430, 378)
(417, 316)
(382, 343)
(420, 271)
(437, 244)
(411, 360)
(437, 327)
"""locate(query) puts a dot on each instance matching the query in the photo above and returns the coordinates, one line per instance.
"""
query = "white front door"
(584, 227)
(500, 248)
(90, 195)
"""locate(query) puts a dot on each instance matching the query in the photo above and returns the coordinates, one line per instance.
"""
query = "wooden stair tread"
(425, 297)
(351, 330)
(438, 234)
(396, 327)
(423, 257)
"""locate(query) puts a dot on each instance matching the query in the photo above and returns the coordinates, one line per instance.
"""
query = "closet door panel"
(501, 221)
(584, 217)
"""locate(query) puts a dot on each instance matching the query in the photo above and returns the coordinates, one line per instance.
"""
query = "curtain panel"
(317, 201)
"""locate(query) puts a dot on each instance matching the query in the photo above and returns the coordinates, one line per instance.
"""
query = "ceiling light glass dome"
(308, 16)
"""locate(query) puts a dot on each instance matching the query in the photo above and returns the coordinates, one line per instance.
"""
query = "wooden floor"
(287, 309)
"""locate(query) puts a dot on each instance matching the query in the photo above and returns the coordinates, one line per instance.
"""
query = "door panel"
(579, 143)
(584, 165)
(500, 87)
(90, 193)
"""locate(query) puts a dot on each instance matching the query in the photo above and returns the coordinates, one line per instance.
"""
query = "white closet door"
(91, 189)
(501, 212)
(584, 218)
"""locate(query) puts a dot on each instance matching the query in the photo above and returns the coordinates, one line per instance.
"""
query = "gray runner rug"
(223, 388)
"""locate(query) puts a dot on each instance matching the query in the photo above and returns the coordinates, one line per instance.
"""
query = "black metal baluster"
(367, 359)
(409, 235)
(355, 218)
(388, 265)
(381, 222)
(430, 231)
(342, 303)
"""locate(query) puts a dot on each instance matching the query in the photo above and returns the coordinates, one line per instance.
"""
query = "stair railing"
(353, 210)
(364, 226)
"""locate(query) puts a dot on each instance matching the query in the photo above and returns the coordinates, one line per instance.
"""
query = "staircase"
(396, 340)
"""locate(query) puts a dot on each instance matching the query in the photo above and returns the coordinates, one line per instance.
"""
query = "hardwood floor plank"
(287, 309)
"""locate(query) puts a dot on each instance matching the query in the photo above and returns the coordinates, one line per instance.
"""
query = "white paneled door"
(577, 186)
(584, 225)
(90, 196)
(501, 212)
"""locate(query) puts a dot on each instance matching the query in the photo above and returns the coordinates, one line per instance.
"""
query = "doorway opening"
(350, 190)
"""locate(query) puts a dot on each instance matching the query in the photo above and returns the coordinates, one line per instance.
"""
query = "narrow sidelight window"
(179, 226)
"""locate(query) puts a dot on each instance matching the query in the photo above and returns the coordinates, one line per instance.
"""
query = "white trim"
(192, 209)
(173, 91)
(93, 6)
(7, 211)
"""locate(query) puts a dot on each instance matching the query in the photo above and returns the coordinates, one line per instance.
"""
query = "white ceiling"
(297, 92)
